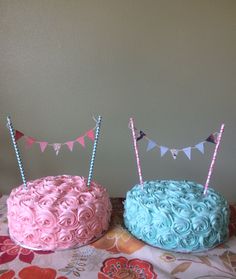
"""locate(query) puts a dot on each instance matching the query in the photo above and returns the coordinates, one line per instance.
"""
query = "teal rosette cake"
(176, 216)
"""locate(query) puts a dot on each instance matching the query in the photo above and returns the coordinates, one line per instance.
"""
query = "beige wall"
(170, 64)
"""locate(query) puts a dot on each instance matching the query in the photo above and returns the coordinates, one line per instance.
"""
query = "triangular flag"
(141, 135)
(174, 153)
(200, 147)
(29, 141)
(70, 145)
(43, 145)
(212, 138)
(163, 150)
(187, 152)
(151, 145)
(57, 147)
(81, 141)
(18, 135)
(90, 134)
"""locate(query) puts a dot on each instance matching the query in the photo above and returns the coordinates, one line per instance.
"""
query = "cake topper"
(17, 135)
(214, 138)
(175, 151)
(29, 141)
(94, 150)
(11, 129)
(131, 125)
(214, 158)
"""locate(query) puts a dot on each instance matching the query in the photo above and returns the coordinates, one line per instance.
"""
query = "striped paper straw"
(136, 151)
(10, 126)
(214, 158)
(94, 150)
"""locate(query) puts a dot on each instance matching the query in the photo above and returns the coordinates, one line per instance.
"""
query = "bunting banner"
(30, 141)
(151, 144)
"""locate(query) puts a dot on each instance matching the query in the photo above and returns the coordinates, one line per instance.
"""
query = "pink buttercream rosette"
(58, 212)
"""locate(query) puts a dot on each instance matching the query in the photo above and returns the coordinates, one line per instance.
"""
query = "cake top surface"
(67, 189)
(169, 193)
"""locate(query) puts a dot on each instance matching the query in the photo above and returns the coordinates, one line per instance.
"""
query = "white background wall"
(170, 64)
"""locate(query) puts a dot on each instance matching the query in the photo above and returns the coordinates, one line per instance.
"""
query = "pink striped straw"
(136, 151)
(214, 158)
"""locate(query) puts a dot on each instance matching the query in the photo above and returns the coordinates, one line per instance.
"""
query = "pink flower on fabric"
(121, 267)
(9, 251)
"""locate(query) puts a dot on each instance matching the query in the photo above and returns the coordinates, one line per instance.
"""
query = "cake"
(176, 216)
(58, 212)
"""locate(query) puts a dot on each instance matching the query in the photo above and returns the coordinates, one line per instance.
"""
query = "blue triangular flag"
(163, 150)
(151, 145)
(187, 152)
(200, 147)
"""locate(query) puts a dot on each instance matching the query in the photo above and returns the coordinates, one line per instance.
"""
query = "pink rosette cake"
(58, 212)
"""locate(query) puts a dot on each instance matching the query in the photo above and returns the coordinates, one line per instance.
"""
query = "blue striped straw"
(10, 126)
(94, 150)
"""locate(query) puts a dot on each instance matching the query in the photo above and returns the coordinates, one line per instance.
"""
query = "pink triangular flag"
(174, 153)
(43, 145)
(29, 141)
(81, 141)
(70, 145)
(18, 135)
(90, 134)
(57, 147)
(187, 152)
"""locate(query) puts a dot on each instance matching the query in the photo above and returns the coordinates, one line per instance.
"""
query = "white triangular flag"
(200, 147)
(151, 145)
(174, 153)
(187, 152)
(163, 150)
(57, 147)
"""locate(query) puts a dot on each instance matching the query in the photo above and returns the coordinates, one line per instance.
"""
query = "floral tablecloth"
(116, 255)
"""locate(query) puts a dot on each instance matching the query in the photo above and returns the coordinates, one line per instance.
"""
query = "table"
(116, 255)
